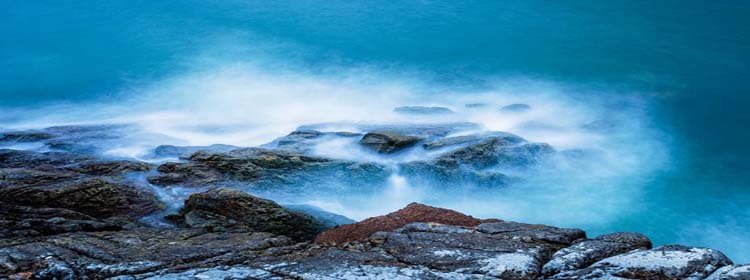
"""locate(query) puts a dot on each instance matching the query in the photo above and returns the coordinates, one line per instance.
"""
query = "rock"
(435, 251)
(62, 162)
(481, 162)
(91, 196)
(387, 142)
(666, 262)
(476, 105)
(516, 108)
(267, 169)
(25, 136)
(25, 221)
(501, 151)
(582, 254)
(424, 130)
(171, 151)
(304, 140)
(230, 208)
(140, 251)
(328, 219)
(463, 139)
(413, 212)
(422, 110)
(731, 272)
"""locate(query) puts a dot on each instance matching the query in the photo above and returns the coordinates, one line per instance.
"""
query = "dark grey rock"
(229, 208)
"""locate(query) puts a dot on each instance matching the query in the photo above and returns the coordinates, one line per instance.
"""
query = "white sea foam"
(245, 105)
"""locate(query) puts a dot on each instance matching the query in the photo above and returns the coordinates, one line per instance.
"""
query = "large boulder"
(413, 212)
(225, 208)
(387, 142)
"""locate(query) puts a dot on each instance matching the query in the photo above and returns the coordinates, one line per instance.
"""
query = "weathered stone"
(731, 272)
(582, 254)
(666, 262)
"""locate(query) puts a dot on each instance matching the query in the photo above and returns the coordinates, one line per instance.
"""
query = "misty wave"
(601, 152)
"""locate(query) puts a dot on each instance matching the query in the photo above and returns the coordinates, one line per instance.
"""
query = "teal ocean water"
(685, 63)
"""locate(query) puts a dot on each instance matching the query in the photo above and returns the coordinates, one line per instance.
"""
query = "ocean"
(677, 71)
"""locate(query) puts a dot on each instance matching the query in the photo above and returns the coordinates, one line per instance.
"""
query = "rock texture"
(67, 212)
(225, 208)
(264, 168)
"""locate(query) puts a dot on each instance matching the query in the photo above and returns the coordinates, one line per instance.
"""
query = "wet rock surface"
(388, 142)
(227, 209)
(264, 168)
(67, 212)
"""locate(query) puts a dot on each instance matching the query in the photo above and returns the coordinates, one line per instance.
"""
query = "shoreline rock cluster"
(66, 212)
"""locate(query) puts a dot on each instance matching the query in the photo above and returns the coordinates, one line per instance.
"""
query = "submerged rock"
(266, 168)
(304, 140)
(227, 208)
(516, 108)
(413, 212)
(388, 142)
(422, 110)
(167, 151)
(476, 105)
(481, 162)
(328, 219)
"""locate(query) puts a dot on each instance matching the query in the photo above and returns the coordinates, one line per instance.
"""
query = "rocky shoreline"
(68, 211)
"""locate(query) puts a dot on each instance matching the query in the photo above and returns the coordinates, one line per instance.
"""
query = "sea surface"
(680, 70)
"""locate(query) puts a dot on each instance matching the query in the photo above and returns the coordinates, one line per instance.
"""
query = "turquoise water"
(687, 61)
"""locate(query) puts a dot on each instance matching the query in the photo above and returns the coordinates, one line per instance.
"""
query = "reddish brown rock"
(412, 213)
